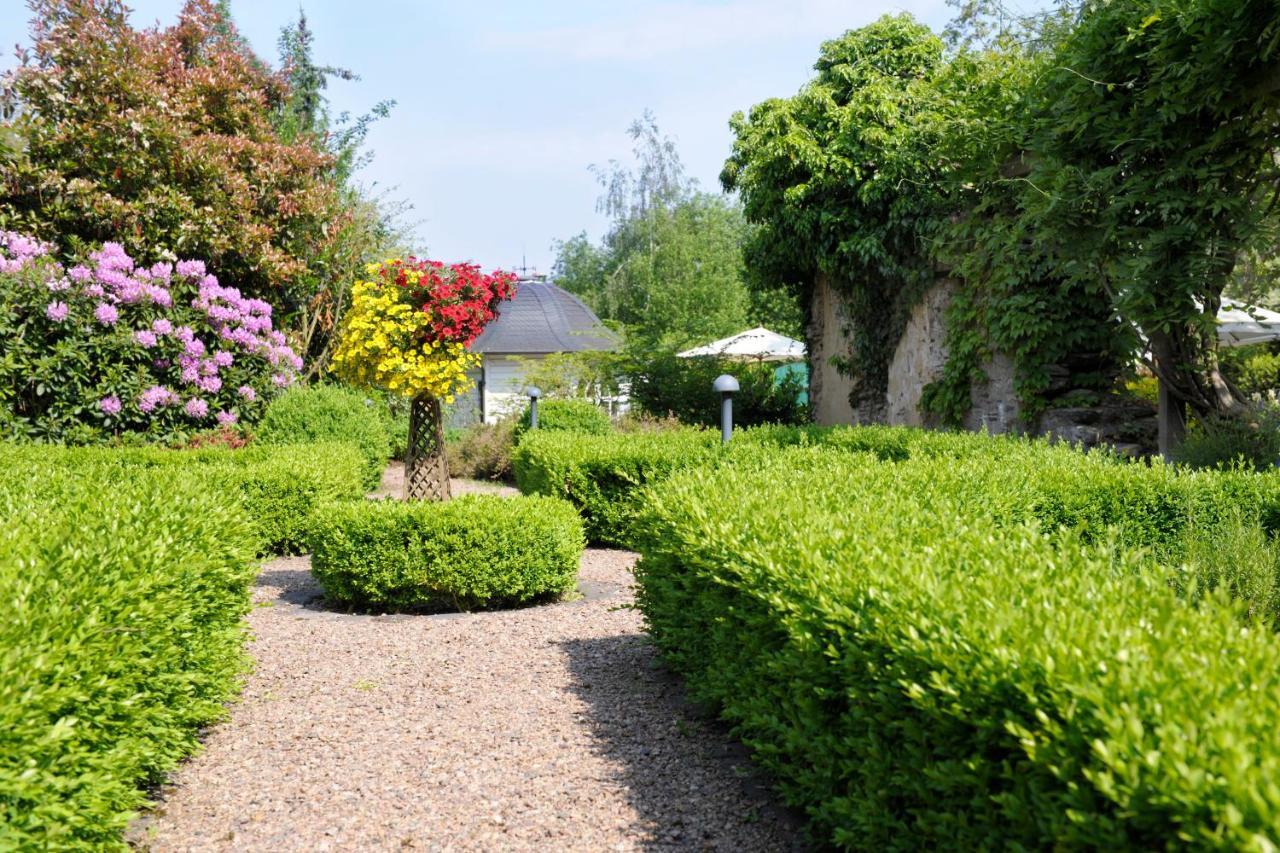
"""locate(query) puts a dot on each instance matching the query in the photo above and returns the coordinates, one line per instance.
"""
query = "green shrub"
(121, 637)
(568, 415)
(919, 671)
(1253, 440)
(602, 475)
(1252, 369)
(474, 551)
(483, 451)
(330, 413)
(664, 384)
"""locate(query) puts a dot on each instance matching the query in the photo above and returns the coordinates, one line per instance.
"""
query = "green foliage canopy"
(1110, 175)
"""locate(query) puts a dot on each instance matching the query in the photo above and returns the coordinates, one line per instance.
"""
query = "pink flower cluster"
(19, 251)
(187, 366)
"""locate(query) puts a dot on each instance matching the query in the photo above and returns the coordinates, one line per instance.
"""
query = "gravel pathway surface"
(543, 728)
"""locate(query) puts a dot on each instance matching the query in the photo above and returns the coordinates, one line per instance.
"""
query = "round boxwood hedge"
(471, 552)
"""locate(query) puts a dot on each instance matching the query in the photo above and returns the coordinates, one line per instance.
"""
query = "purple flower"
(22, 246)
(80, 274)
(110, 405)
(191, 269)
(184, 334)
(197, 408)
(209, 367)
(190, 374)
(281, 381)
(247, 392)
(212, 384)
(156, 395)
(57, 311)
(162, 326)
(222, 358)
(106, 314)
(226, 418)
(111, 257)
(195, 346)
(94, 291)
(161, 270)
(57, 285)
(159, 296)
(146, 339)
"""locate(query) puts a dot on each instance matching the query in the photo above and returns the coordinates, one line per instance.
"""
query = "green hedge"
(279, 487)
(579, 416)
(121, 636)
(474, 551)
(602, 475)
(330, 413)
(966, 652)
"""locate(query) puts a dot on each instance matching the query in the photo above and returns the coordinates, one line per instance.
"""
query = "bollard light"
(726, 385)
(534, 393)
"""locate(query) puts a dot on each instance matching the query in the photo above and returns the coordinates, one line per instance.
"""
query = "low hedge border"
(921, 670)
(279, 486)
(122, 636)
(471, 552)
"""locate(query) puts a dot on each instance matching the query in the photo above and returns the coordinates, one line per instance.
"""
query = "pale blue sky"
(501, 106)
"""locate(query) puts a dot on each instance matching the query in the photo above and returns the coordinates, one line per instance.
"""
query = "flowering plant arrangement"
(110, 346)
(410, 324)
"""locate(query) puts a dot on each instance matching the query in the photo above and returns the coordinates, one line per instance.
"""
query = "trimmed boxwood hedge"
(566, 415)
(121, 635)
(279, 486)
(967, 651)
(604, 475)
(316, 414)
(473, 551)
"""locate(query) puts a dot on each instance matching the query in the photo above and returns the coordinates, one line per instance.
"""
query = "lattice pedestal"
(426, 468)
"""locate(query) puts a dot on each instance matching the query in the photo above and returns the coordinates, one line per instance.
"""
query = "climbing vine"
(1081, 197)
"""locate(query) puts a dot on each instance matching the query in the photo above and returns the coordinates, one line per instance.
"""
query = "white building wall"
(504, 385)
(506, 391)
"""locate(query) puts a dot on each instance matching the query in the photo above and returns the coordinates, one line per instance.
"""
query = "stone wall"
(917, 361)
(829, 391)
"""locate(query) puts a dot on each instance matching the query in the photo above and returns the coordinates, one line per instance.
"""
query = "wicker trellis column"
(426, 468)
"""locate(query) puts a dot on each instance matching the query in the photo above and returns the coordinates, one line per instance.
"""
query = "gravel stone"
(551, 727)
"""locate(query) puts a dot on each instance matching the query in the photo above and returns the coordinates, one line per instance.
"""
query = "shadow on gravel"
(694, 787)
(297, 589)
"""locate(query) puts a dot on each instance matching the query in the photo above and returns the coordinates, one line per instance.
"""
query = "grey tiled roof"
(544, 318)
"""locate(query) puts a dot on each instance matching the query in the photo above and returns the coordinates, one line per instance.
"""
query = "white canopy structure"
(1240, 325)
(758, 344)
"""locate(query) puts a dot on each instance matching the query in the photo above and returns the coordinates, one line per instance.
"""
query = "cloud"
(665, 28)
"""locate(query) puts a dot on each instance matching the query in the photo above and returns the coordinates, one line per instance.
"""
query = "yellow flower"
(381, 346)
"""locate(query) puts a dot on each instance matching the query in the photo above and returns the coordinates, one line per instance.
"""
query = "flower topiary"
(407, 331)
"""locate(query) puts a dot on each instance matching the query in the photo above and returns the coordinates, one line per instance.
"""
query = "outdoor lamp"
(726, 385)
(534, 393)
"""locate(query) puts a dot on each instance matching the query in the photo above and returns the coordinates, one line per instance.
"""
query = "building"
(539, 320)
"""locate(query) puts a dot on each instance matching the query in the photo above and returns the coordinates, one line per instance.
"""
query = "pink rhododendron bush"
(109, 349)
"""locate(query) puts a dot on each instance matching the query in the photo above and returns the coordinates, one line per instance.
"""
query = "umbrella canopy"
(1240, 325)
(758, 344)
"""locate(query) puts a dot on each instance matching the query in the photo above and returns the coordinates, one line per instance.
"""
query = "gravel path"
(544, 728)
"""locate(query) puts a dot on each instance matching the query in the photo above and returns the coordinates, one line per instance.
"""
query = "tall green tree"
(670, 268)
